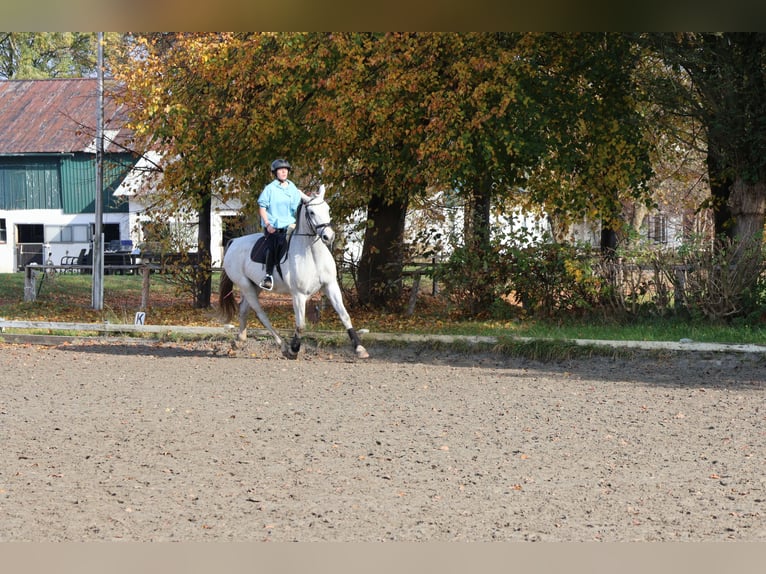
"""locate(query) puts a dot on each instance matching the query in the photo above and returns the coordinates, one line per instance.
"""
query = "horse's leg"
(299, 309)
(244, 307)
(333, 292)
(250, 293)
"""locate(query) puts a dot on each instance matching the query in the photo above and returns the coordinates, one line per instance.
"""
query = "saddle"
(260, 251)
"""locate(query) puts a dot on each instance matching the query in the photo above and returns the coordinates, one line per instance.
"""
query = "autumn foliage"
(561, 124)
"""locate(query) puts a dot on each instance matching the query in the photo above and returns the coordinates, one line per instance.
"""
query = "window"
(657, 228)
(29, 233)
(233, 226)
(3, 231)
(111, 232)
(67, 233)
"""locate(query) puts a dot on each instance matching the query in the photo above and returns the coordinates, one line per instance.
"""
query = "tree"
(219, 108)
(164, 87)
(546, 121)
(37, 55)
(367, 123)
(477, 140)
(596, 155)
(727, 95)
(678, 150)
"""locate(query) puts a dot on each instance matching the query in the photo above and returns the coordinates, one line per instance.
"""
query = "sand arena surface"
(197, 441)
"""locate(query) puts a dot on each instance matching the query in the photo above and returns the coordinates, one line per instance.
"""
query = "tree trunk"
(720, 186)
(747, 203)
(637, 217)
(203, 275)
(478, 241)
(478, 230)
(379, 277)
(608, 242)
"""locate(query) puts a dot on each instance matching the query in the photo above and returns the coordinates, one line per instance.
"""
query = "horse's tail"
(226, 301)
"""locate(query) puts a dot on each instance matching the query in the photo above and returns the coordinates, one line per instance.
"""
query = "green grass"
(661, 329)
(67, 298)
(658, 329)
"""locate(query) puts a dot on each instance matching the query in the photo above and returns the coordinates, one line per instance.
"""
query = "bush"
(721, 280)
(544, 278)
(552, 278)
(635, 284)
(476, 281)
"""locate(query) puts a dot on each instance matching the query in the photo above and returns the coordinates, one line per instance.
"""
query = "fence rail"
(105, 328)
(34, 271)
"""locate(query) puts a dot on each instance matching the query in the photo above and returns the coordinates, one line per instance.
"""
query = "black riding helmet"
(279, 163)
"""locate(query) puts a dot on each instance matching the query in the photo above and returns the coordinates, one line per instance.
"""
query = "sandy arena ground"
(195, 441)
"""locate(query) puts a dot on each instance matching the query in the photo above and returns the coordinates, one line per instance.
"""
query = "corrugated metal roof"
(55, 116)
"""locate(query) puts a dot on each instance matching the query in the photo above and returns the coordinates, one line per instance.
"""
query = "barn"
(48, 171)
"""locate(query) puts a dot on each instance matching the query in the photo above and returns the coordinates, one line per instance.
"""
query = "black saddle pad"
(258, 253)
(261, 248)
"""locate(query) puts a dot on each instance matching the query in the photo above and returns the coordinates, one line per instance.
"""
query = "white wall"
(46, 217)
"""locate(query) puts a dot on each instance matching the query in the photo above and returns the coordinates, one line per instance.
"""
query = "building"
(48, 175)
(48, 171)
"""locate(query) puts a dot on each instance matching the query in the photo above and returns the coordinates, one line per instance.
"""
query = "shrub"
(552, 277)
(475, 281)
(721, 280)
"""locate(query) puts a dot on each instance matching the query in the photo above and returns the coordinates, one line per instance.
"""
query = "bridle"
(316, 230)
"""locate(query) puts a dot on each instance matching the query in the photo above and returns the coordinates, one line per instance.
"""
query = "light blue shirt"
(280, 202)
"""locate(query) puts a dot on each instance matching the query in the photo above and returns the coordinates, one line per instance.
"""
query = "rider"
(277, 205)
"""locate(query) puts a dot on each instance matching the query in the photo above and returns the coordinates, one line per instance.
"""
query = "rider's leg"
(267, 282)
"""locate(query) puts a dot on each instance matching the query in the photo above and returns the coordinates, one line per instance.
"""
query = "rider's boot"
(267, 283)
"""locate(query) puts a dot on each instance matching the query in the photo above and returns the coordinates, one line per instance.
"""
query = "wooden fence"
(34, 276)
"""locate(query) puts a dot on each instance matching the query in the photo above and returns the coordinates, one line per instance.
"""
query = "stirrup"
(267, 283)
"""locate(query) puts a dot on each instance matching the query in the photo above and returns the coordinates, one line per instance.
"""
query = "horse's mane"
(298, 212)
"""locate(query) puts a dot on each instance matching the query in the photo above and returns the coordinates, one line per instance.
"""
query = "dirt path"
(159, 442)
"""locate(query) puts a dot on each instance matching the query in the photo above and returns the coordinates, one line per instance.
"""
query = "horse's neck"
(306, 241)
(303, 239)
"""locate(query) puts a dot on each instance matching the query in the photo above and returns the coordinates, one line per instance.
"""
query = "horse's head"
(317, 216)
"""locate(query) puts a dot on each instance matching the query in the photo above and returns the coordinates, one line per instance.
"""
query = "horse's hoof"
(288, 353)
(361, 353)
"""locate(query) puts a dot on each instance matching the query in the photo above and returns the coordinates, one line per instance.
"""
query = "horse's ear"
(320, 194)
